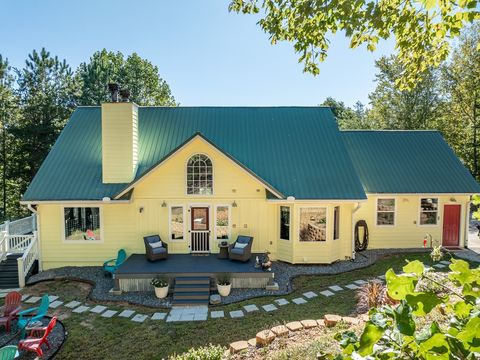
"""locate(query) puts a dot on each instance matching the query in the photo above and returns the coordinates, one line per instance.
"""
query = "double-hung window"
(386, 212)
(82, 223)
(285, 222)
(428, 211)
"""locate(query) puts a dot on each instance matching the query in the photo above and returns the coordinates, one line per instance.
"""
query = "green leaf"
(422, 302)
(399, 286)
(470, 335)
(370, 336)
(436, 347)
(415, 267)
(462, 309)
(404, 320)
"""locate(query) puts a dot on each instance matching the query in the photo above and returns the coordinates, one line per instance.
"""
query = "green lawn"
(100, 338)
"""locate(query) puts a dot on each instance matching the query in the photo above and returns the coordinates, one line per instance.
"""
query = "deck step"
(192, 280)
(192, 295)
(180, 288)
(189, 302)
(191, 290)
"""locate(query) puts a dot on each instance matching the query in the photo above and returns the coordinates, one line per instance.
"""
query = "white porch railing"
(200, 241)
(29, 256)
(23, 226)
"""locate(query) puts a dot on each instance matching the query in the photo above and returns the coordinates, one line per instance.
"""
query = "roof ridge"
(390, 130)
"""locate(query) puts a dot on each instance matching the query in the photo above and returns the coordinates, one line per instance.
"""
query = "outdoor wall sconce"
(405, 200)
(453, 199)
(140, 209)
(234, 204)
(164, 204)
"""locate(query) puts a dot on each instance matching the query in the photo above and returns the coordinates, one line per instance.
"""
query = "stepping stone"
(32, 300)
(327, 293)
(382, 277)
(126, 313)
(281, 302)
(352, 286)
(200, 316)
(299, 301)
(109, 313)
(310, 295)
(360, 282)
(445, 262)
(139, 318)
(98, 309)
(217, 314)
(25, 297)
(187, 317)
(236, 314)
(81, 309)
(250, 308)
(335, 288)
(72, 304)
(439, 266)
(52, 298)
(269, 307)
(55, 304)
(158, 316)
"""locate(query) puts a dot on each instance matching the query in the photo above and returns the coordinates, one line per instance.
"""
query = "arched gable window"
(199, 175)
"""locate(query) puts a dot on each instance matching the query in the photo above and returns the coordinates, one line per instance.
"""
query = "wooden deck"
(136, 272)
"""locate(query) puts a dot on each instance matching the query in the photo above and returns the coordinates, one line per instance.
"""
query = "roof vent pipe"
(113, 88)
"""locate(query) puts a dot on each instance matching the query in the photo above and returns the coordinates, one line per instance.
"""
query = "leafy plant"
(160, 281)
(224, 279)
(372, 294)
(394, 332)
(210, 352)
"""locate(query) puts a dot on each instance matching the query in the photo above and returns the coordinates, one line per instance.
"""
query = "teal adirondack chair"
(34, 314)
(8, 352)
(110, 266)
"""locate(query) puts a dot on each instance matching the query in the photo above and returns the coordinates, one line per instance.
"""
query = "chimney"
(119, 140)
(113, 88)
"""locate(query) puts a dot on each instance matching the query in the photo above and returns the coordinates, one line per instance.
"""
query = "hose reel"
(361, 245)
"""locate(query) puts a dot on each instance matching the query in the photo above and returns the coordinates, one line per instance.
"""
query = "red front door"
(451, 225)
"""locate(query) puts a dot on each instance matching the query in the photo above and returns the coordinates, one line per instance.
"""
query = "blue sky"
(208, 55)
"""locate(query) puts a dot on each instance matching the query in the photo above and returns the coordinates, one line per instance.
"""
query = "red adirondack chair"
(13, 305)
(36, 339)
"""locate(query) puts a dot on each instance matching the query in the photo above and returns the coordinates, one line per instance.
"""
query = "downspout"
(37, 223)
(467, 222)
(355, 209)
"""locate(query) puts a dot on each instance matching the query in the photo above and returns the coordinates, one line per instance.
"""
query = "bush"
(160, 281)
(224, 279)
(370, 295)
(209, 352)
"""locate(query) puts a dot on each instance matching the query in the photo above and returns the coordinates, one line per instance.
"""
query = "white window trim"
(419, 206)
(62, 228)
(394, 212)
(280, 223)
(229, 222)
(327, 221)
(186, 176)
(170, 223)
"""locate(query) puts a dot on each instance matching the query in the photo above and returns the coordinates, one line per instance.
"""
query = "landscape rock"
(307, 324)
(264, 337)
(350, 320)
(321, 322)
(331, 320)
(252, 342)
(215, 299)
(238, 346)
(294, 326)
(280, 330)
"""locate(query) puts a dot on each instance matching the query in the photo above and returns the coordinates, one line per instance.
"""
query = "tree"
(407, 109)
(461, 86)
(421, 28)
(348, 118)
(135, 74)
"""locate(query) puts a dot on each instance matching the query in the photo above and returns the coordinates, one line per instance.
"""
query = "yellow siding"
(119, 142)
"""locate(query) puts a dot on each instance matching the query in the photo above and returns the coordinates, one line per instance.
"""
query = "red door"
(451, 225)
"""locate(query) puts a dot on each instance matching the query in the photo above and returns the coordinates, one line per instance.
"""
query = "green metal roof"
(298, 151)
(407, 162)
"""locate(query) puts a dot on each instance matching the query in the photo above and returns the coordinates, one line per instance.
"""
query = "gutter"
(355, 209)
(75, 202)
(467, 222)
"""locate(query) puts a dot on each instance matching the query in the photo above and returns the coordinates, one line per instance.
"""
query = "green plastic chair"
(110, 266)
(8, 352)
(34, 314)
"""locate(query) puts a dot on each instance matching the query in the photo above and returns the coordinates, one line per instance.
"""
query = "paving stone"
(55, 304)
(238, 346)
(98, 309)
(2, 295)
(159, 316)
(264, 337)
(281, 302)
(251, 308)
(72, 304)
(294, 326)
(200, 316)
(109, 313)
(25, 297)
(140, 318)
(350, 320)
(236, 314)
(307, 324)
(382, 277)
(352, 286)
(439, 266)
(310, 295)
(81, 309)
(299, 301)
(269, 307)
(52, 298)
(327, 293)
(33, 300)
(6, 291)
(217, 314)
(280, 330)
(445, 262)
(360, 282)
(331, 320)
(187, 317)
(126, 313)
(335, 288)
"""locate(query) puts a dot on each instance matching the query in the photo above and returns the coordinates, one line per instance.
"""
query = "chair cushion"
(157, 244)
(243, 239)
(159, 250)
(240, 245)
(152, 238)
(237, 251)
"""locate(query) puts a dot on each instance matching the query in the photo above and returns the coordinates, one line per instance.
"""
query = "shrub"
(224, 279)
(160, 281)
(370, 295)
(209, 352)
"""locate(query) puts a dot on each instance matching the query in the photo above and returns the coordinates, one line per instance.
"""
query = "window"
(199, 175)
(285, 222)
(428, 211)
(386, 212)
(82, 223)
(336, 222)
(222, 222)
(313, 224)
(177, 227)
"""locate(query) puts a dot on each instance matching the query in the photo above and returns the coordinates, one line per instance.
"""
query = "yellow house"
(199, 176)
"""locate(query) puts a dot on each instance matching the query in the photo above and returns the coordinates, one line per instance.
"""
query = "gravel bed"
(467, 254)
(56, 340)
(284, 272)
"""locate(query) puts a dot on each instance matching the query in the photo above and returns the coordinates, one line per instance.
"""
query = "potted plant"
(224, 284)
(160, 283)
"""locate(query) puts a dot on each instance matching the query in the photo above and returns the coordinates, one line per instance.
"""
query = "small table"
(223, 254)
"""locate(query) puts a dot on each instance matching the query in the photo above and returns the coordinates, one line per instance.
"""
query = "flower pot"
(161, 292)
(224, 290)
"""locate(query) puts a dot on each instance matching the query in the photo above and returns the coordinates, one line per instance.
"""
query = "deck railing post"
(7, 227)
(21, 275)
